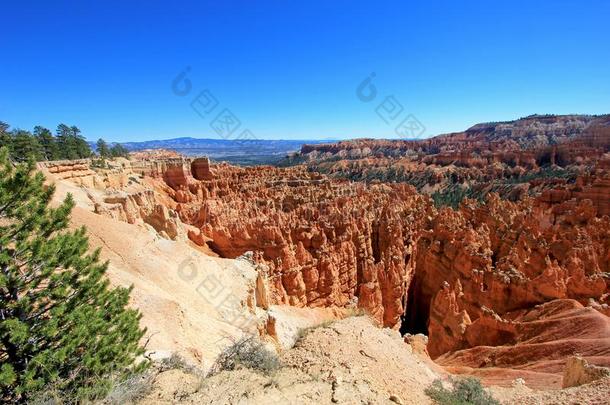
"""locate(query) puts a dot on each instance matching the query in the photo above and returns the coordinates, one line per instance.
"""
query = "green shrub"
(464, 391)
(99, 164)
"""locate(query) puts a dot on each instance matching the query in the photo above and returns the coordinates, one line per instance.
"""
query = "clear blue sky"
(291, 70)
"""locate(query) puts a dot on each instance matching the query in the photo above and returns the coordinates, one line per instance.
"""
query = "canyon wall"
(515, 159)
(469, 278)
(324, 243)
(517, 281)
(502, 257)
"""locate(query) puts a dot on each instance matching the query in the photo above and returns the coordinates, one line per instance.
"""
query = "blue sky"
(291, 70)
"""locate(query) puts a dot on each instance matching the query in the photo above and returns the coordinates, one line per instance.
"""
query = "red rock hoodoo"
(508, 286)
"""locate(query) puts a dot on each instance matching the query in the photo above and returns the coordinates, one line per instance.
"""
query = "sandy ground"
(348, 361)
(192, 304)
(595, 393)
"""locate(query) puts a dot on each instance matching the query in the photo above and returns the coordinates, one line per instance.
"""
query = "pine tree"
(61, 325)
(72, 144)
(5, 136)
(65, 143)
(24, 146)
(119, 150)
(47, 143)
(102, 148)
(83, 150)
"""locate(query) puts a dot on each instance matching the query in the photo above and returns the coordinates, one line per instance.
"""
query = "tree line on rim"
(42, 144)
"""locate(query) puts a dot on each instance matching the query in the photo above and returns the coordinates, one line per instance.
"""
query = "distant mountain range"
(244, 152)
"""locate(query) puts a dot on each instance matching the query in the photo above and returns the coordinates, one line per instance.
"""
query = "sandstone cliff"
(514, 158)
(504, 288)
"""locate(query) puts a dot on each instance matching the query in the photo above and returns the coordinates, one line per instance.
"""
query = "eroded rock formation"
(579, 372)
(514, 159)
(500, 285)
(324, 243)
(500, 257)
(514, 274)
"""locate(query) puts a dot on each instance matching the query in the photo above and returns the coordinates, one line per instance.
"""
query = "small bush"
(247, 352)
(465, 391)
(131, 390)
(175, 361)
(113, 391)
(98, 164)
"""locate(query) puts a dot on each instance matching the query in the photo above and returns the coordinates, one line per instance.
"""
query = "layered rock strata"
(506, 288)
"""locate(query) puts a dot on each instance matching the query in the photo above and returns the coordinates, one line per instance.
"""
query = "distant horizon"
(232, 140)
(288, 139)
